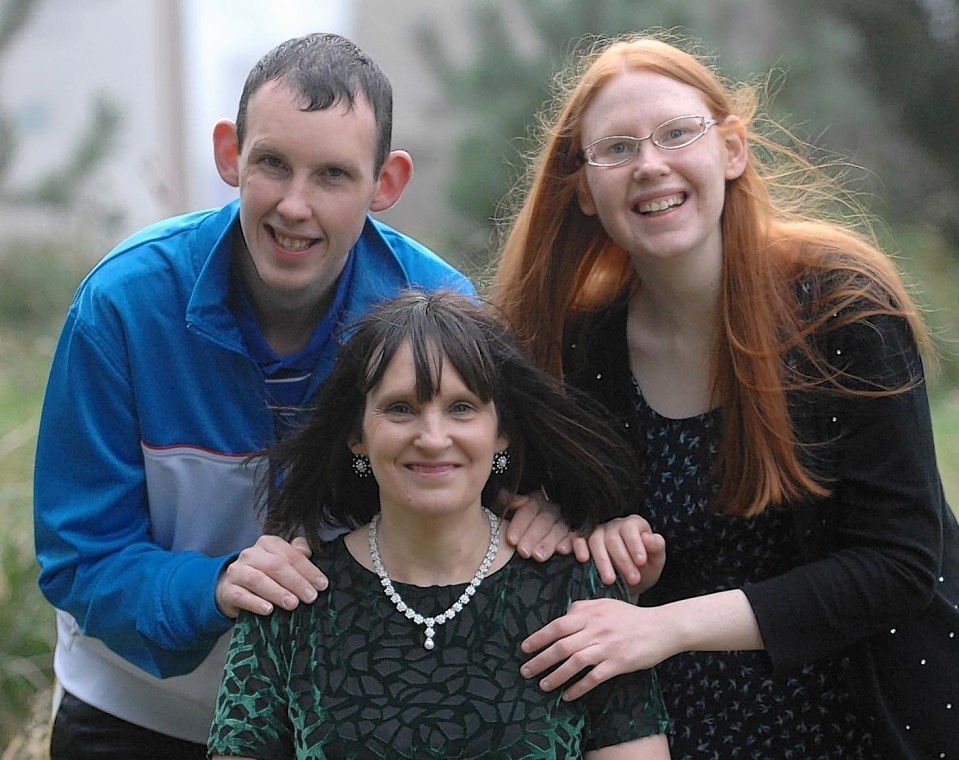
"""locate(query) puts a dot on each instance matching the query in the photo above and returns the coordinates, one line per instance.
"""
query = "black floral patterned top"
(723, 701)
(348, 676)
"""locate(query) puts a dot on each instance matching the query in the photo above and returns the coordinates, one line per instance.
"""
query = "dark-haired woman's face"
(432, 457)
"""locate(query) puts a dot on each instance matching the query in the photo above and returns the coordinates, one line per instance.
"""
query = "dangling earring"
(500, 462)
(361, 465)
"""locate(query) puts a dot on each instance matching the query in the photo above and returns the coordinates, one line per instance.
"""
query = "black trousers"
(82, 732)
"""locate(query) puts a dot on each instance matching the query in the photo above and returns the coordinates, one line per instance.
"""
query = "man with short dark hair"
(191, 346)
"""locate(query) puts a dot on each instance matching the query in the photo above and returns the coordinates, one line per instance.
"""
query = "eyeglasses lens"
(670, 135)
(678, 133)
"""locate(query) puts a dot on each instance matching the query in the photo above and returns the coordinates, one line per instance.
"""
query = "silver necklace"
(458, 605)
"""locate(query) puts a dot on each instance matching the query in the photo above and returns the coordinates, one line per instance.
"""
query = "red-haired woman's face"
(662, 203)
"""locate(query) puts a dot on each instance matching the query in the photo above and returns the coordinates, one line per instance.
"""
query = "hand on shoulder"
(272, 572)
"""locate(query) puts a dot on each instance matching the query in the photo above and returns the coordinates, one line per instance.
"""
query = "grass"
(945, 416)
(27, 623)
(36, 281)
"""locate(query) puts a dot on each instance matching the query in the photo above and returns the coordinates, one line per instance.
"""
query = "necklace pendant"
(428, 644)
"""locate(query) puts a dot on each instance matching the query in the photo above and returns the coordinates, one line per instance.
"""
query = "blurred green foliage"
(36, 283)
(27, 627)
(517, 50)
(34, 290)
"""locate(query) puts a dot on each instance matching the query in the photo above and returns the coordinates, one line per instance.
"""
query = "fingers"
(622, 546)
(581, 548)
(626, 548)
(271, 572)
(621, 557)
(655, 545)
(562, 647)
(523, 514)
(570, 669)
(593, 642)
(300, 544)
(536, 529)
(655, 561)
(231, 598)
(597, 550)
(549, 544)
(554, 639)
(597, 675)
(571, 649)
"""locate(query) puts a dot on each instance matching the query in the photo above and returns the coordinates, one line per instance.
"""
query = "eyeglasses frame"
(707, 123)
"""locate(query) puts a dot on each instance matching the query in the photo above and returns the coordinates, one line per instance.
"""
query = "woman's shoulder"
(335, 559)
(587, 327)
(848, 313)
(594, 346)
(564, 577)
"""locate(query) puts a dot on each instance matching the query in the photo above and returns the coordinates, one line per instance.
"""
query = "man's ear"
(737, 147)
(226, 152)
(395, 173)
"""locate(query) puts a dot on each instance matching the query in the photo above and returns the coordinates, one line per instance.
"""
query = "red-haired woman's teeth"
(661, 204)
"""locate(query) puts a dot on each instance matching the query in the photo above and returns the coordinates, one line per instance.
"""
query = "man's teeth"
(293, 244)
(660, 205)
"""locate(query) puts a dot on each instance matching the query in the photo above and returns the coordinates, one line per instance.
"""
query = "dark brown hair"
(323, 70)
(555, 440)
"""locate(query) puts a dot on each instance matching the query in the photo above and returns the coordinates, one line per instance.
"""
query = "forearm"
(648, 748)
(722, 621)
(152, 607)
(122, 569)
(99, 562)
(874, 547)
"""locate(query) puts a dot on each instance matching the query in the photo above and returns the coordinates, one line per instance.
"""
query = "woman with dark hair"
(431, 416)
(696, 277)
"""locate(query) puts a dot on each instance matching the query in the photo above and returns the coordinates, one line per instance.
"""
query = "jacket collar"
(378, 274)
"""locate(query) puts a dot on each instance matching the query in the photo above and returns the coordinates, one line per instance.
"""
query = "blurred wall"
(423, 124)
(72, 51)
(176, 66)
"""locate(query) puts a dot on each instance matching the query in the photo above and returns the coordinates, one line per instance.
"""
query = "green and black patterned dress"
(348, 676)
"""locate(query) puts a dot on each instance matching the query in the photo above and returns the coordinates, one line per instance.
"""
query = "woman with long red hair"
(700, 277)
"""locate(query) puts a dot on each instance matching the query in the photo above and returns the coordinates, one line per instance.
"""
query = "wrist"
(678, 620)
(719, 622)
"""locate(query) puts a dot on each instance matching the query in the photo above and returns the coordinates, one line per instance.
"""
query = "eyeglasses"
(673, 134)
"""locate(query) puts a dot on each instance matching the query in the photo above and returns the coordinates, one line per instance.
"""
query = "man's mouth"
(292, 244)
